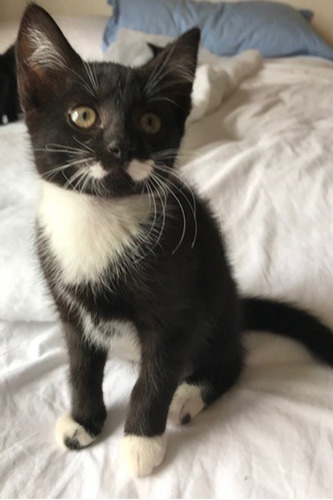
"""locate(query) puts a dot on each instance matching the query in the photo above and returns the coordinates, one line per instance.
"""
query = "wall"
(12, 9)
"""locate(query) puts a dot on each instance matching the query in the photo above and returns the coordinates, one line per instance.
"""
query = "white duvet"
(264, 159)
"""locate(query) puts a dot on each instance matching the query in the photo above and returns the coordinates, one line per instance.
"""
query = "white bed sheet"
(265, 161)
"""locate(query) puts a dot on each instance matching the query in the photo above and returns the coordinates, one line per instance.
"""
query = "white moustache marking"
(97, 171)
(140, 170)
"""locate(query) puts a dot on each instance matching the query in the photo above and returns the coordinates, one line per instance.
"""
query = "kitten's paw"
(186, 404)
(70, 434)
(143, 454)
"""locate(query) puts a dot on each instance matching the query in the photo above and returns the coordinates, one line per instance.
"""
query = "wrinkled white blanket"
(264, 159)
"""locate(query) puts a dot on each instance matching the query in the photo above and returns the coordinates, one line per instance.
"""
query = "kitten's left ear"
(45, 59)
(172, 70)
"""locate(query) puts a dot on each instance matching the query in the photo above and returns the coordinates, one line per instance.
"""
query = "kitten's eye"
(150, 123)
(83, 116)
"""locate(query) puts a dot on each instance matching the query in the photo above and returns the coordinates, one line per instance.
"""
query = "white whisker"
(70, 181)
(163, 189)
(90, 77)
(61, 168)
(193, 206)
(83, 144)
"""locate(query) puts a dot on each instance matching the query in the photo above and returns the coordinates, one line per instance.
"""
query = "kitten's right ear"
(45, 59)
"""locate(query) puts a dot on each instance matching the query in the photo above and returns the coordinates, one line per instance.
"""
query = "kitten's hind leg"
(88, 413)
(215, 371)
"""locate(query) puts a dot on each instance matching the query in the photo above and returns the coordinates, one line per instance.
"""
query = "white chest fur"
(119, 336)
(86, 233)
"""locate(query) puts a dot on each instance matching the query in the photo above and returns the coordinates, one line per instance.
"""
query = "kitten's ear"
(172, 70)
(45, 59)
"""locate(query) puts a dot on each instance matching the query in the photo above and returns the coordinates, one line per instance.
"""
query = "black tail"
(289, 321)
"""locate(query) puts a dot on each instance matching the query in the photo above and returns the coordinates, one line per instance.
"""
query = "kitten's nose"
(115, 149)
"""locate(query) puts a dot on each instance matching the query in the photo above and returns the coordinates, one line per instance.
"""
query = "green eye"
(150, 123)
(83, 116)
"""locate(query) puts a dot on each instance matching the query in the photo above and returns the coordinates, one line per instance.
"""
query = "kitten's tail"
(288, 321)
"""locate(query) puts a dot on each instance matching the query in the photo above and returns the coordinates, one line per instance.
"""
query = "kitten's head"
(102, 128)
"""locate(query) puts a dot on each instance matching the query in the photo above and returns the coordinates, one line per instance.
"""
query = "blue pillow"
(275, 29)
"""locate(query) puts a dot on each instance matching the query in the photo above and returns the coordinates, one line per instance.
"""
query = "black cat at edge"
(126, 247)
(9, 102)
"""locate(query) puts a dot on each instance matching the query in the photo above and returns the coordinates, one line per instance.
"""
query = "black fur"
(288, 321)
(180, 293)
(9, 101)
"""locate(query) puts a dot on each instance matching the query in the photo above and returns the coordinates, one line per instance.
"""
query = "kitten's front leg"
(88, 412)
(144, 444)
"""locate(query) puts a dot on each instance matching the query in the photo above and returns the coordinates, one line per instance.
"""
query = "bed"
(264, 160)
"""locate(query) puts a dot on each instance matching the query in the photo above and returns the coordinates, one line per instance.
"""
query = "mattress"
(264, 161)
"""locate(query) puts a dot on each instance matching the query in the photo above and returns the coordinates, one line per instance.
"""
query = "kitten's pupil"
(150, 123)
(83, 117)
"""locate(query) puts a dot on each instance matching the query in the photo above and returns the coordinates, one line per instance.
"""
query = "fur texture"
(143, 454)
(70, 434)
(105, 228)
(186, 404)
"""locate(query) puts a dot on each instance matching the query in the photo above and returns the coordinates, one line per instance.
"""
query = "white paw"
(70, 434)
(143, 454)
(186, 404)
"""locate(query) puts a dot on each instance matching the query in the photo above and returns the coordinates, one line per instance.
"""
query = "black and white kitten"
(123, 242)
